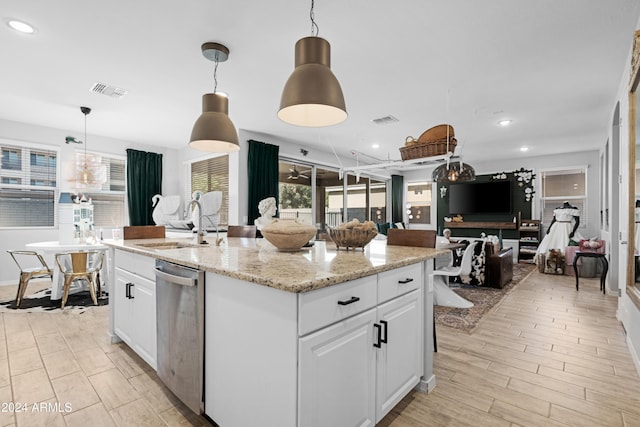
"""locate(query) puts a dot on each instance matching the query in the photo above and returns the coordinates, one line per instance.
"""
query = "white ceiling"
(553, 67)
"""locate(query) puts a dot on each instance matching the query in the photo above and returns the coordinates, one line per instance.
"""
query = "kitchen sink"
(168, 245)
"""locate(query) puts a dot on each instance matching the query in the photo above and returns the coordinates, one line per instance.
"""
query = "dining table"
(49, 250)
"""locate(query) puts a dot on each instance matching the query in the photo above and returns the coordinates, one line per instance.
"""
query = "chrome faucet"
(201, 232)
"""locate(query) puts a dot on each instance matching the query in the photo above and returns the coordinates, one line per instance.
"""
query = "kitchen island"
(311, 338)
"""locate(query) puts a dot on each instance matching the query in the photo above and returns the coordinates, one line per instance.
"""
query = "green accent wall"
(519, 205)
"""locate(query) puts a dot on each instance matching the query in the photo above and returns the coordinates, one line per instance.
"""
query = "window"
(212, 175)
(11, 158)
(28, 192)
(42, 159)
(108, 201)
(301, 197)
(563, 185)
(418, 199)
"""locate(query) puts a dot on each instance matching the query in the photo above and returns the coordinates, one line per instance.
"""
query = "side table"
(605, 266)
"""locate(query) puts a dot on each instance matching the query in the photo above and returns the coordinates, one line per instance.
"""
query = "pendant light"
(451, 172)
(90, 171)
(312, 96)
(213, 130)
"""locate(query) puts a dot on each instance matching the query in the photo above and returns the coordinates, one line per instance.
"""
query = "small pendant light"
(312, 96)
(213, 130)
(454, 172)
(90, 173)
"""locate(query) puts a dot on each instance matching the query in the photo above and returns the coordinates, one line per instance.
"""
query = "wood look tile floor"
(546, 356)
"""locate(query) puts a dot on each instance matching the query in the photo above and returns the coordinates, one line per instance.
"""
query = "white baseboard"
(634, 354)
(426, 386)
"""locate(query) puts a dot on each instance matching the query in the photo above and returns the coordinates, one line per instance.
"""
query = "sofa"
(498, 267)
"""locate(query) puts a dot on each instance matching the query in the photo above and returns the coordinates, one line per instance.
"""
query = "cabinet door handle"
(378, 344)
(131, 285)
(407, 280)
(127, 292)
(386, 329)
(349, 301)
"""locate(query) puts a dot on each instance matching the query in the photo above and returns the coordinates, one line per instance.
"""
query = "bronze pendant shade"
(454, 172)
(312, 96)
(213, 130)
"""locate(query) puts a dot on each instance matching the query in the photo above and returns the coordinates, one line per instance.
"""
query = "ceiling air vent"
(105, 89)
(385, 120)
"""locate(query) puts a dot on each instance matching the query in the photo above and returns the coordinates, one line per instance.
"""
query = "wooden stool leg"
(65, 294)
(21, 288)
(92, 290)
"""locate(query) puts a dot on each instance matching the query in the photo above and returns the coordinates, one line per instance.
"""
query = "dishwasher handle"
(178, 280)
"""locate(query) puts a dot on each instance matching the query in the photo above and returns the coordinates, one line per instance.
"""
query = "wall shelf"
(492, 225)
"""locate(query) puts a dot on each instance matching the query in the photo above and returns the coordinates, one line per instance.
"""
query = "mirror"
(633, 264)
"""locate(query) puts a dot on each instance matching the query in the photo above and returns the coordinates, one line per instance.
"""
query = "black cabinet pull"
(407, 280)
(349, 301)
(127, 293)
(378, 336)
(131, 285)
(386, 328)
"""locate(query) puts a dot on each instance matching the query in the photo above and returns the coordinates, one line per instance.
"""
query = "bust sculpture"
(267, 208)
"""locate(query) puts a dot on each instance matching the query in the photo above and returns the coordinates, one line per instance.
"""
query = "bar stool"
(28, 273)
(600, 256)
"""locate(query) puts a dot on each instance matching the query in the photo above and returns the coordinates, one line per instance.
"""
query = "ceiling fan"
(295, 174)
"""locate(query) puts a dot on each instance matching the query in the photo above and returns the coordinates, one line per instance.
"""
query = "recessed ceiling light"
(375, 145)
(21, 26)
(523, 149)
(505, 122)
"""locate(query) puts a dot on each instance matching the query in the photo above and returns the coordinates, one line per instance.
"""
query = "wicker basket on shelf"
(433, 142)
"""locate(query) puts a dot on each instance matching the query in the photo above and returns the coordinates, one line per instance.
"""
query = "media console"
(492, 225)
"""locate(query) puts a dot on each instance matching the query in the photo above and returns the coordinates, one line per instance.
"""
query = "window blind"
(28, 186)
(212, 175)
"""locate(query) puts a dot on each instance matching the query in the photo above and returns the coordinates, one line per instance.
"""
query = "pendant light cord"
(314, 26)
(215, 75)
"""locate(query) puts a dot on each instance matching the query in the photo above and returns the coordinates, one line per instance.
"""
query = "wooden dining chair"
(241, 231)
(80, 266)
(419, 238)
(29, 269)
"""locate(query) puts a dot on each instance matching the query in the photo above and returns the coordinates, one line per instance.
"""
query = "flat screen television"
(480, 198)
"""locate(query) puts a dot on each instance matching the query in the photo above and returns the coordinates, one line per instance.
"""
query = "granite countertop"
(258, 261)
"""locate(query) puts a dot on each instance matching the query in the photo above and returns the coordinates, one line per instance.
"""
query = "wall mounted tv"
(480, 198)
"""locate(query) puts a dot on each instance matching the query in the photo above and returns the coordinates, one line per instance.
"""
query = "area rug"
(483, 299)
(40, 301)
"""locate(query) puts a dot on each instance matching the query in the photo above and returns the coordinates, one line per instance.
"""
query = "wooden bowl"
(288, 235)
(351, 238)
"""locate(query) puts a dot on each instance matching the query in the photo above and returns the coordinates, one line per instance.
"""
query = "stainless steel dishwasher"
(180, 320)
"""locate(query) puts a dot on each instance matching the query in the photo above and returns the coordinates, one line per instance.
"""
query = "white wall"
(22, 132)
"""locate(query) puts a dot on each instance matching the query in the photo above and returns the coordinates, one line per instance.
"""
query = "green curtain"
(262, 165)
(144, 180)
(397, 187)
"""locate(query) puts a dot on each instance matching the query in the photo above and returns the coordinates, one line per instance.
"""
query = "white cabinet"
(399, 358)
(343, 355)
(354, 372)
(135, 304)
(337, 374)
